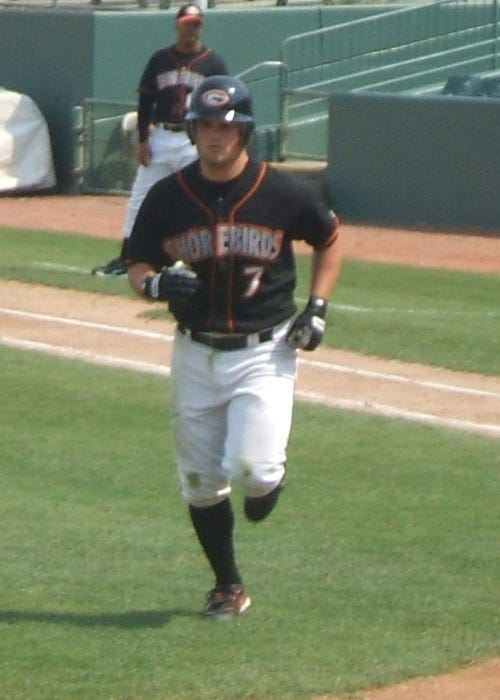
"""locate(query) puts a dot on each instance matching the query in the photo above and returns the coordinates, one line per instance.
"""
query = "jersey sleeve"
(144, 115)
(315, 223)
(210, 63)
(147, 83)
(147, 97)
(220, 67)
(145, 243)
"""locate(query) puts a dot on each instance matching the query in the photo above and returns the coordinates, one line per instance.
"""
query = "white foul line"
(122, 330)
(392, 412)
(317, 364)
(345, 404)
(59, 267)
(399, 378)
(92, 357)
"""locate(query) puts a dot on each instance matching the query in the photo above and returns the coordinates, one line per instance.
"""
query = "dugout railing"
(413, 49)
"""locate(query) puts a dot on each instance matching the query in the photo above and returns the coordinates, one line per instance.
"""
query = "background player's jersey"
(237, 236)
(169, 77)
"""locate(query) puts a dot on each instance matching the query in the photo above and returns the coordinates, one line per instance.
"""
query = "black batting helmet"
(224, 97)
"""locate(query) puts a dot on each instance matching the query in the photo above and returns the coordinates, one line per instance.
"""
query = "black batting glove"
(176, 283)
(307, 331)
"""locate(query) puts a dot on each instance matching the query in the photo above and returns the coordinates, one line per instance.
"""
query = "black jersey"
(168, 78)
(237, 236)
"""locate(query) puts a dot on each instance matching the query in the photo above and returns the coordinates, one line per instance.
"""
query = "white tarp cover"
(26, 161)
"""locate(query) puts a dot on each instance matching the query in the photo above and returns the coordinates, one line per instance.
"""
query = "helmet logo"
(215, 98)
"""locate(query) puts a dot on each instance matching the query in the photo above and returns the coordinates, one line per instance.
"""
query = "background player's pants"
(231, 417)
(170, 151)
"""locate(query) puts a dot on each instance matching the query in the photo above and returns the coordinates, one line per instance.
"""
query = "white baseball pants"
(170, 151)
(231, 416)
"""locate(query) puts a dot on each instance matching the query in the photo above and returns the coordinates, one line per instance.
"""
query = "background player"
(223, 226)
(169, 77)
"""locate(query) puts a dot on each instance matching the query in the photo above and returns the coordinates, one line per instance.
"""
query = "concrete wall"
(49, 57)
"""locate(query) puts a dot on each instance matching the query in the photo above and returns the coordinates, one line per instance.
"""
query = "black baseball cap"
(189, 13)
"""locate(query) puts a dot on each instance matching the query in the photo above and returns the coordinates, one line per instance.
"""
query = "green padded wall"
(125, 40)
(415, 161)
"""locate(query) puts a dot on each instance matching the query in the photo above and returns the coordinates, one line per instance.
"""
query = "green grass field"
(449, 319)
(380, 563)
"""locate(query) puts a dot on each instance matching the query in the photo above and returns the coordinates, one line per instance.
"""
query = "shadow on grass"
(125, 620)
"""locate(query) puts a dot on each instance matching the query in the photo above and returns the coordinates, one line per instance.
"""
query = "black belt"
(170, 127)
(228, 341)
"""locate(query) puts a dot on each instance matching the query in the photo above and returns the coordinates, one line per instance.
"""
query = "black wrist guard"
(308, 328)
(174, 283)
(318, 306)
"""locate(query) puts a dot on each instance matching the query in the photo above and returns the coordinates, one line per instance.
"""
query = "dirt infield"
(103, 216)
(342, 379)
(116, 332)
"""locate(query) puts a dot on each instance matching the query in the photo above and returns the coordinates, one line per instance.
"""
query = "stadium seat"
(490, 87)
(463, 85)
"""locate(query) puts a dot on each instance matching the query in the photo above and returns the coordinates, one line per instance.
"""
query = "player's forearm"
(137, 275)
(144, 114)
(326, 265)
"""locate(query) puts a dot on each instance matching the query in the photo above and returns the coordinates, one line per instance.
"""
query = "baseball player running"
(170, 76)
(214, 240)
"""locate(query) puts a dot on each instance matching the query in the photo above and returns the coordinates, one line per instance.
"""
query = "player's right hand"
(175, 283)
(143, 153)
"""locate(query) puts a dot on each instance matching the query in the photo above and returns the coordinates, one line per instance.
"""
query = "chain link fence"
(106, 138)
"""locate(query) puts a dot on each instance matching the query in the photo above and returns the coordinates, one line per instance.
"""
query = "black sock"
(124, 250)
(259, 508)
(214, 528)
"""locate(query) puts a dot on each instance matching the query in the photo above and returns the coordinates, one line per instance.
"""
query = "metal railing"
(400, 50)
(383, 50)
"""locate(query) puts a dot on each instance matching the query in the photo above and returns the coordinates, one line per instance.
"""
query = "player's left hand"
(307, 331)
